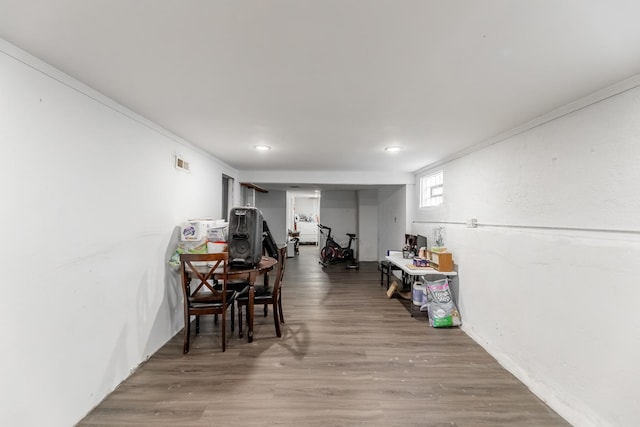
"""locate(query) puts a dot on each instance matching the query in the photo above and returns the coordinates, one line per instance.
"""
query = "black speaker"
(245, 236)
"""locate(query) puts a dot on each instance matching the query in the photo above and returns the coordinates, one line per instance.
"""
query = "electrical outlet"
(472, 223)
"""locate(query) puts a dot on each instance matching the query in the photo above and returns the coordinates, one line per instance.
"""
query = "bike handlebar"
(320, 226)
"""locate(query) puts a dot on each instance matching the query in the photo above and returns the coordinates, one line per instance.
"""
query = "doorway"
(227, 195)
(305, 214)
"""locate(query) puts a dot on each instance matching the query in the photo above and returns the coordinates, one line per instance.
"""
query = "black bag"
(268, 242)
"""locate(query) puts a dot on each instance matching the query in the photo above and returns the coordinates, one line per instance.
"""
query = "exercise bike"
(332, 251)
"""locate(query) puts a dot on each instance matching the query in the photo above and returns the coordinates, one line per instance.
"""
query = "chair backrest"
(282, 256)
(204, 267)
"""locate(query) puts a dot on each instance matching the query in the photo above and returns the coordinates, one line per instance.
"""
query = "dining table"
(250, 273)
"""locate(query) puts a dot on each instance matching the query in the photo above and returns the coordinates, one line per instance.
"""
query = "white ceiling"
(329, 83)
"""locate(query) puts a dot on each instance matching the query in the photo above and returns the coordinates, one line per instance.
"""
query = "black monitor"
(421, 242)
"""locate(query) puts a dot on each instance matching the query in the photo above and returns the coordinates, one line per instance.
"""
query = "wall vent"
(182, 164)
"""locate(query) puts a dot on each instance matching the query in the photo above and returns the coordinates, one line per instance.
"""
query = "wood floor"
(349, 356)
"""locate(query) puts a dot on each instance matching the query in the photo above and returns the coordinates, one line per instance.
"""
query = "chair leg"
(233, 316)
(197, 324)
(246, 317)
(240, 334)
(215, 319)
(276, 319)
(280, 310)
(187, 330)
(224, 329)
(266, 310)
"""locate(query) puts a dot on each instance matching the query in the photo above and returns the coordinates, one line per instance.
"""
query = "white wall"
(392, 218)
(91, 202)
(366, 178)
(367, 233)
(339, 210)
(289, 212)
(542, 285)
(273, 206)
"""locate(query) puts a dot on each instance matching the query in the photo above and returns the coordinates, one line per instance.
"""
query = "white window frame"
(432, 189)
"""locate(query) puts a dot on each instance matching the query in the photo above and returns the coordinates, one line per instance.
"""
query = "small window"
(431, 190)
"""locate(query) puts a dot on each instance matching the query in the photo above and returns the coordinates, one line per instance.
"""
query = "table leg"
(250, 306)
(266, 286)
(250, 310)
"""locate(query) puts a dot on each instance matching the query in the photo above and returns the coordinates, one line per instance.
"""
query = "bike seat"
(351, 235)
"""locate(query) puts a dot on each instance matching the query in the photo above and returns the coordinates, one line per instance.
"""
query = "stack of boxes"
(205, 231)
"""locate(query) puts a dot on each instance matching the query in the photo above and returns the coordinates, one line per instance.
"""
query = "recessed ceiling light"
(393, 148)
(262, 147)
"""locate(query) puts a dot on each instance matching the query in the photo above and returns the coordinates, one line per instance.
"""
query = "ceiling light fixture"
(393, 148)
(262, 147)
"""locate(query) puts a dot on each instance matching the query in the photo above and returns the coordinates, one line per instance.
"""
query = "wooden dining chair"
(204, 288)
(267, 295)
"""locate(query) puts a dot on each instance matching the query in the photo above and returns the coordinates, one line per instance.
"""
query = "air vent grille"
(182, 164)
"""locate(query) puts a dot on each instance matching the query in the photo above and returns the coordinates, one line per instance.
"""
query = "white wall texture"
(91, 202)
(543, 285)
(366, 245)
(273, 206)
(366, 178)
(392, 218)
(339, 210)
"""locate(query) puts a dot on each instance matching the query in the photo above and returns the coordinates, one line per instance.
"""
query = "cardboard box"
(421, 262)
(214, 248)
(441, 261)
(218, 233)
(195, 229)
(190, 231)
